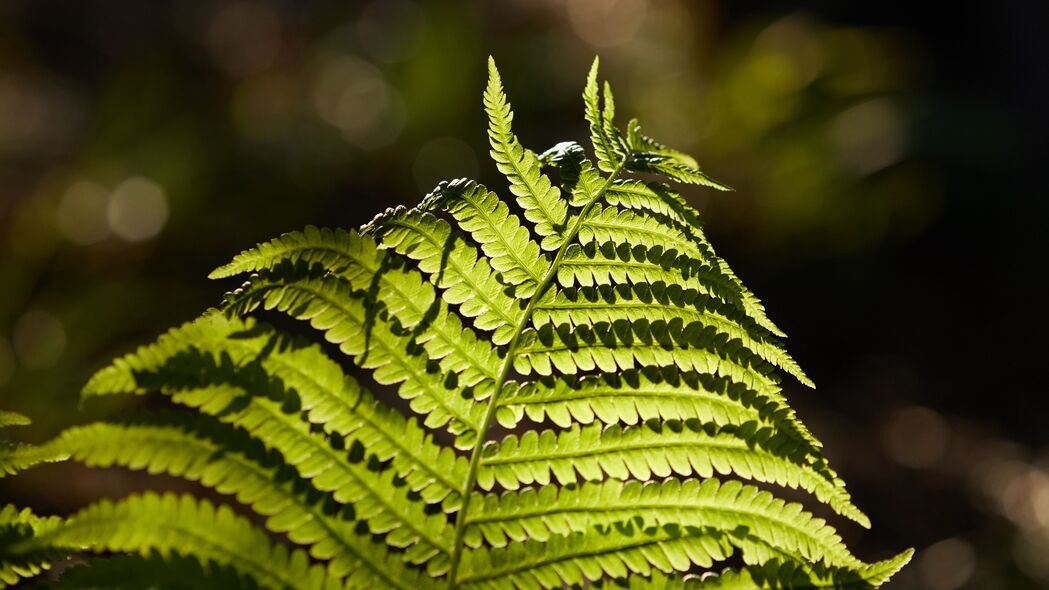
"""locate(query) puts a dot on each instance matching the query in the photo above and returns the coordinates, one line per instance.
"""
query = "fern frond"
(218, 457)
(306, 377)
(660, 450)
(192, 527)
(671, 167)
(19, 457)
(669, 209)
(154, 572)
(503, 239)
(606, 147)
(622, 345)
(375, 277)
(15, 457)
(18, 526)
(645, 304)
(245, 396)
(552, 510)
(540, 199)
(638, 395)
(454, 266)
(375, 342)
(620, 551)
(595, 308)
(789, 574)
(13, 419)
(643, 144)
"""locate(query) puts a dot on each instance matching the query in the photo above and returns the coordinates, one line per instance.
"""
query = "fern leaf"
(357, 259)
(551, 511)
(642, 144)
(15, 457)
(329, 305)
(453, 265)
(666, 166)
(789, 574)
(192, 527)
(218, 457)
(621, 551)
(541, 201)
(606, 264)
(608, 151)
(245, 396)
(154, 572)
(19, 526)
(634, 396)
(659, 450)
(644, 304)
(667, 207)
(503, 239)
(19, 457)
(12, 419)
(622, 345)
(594, 308)
(328, 397)
(565, 153)
(337, 250)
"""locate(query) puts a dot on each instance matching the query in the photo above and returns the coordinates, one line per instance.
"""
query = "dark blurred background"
(890, 206)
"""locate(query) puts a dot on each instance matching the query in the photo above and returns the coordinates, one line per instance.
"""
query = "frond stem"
(504, 372)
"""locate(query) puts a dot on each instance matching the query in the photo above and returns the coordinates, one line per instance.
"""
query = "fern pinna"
(587, 324)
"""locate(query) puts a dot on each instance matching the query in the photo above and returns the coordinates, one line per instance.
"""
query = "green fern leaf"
(16, 528)
(660, 450)
(15, 457)
(13, 419)
(541, 201)
(224, 388)
(152, 572)
(608, 147)
(191, 527)
(788, 574)
(646, 437)
(224, 459)
(625, 550)
(502, 238)
(548, 511)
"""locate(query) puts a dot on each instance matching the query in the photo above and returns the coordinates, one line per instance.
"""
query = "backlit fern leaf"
(645, 437)
(15, 457)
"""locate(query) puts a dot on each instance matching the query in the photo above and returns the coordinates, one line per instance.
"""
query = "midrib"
(504, 371)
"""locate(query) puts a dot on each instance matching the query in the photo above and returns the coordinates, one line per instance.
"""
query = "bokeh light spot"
(606, 23)
(916, 437)
(443, 159)
(39, 339)
(792, 38)
(869, 136)
(947, 565)
(138, 209)
(352, 95)
(81, 215)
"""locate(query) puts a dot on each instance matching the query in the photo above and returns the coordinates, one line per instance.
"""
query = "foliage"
(588, 320)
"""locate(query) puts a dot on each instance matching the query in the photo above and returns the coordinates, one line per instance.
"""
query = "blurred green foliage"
(141, 144)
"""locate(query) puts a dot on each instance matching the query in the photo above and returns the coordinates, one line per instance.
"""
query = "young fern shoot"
(586, 315)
